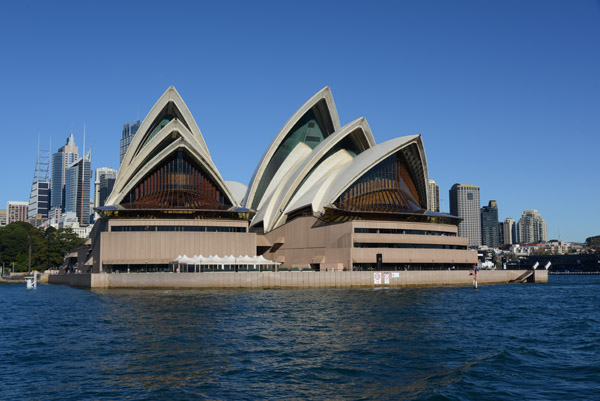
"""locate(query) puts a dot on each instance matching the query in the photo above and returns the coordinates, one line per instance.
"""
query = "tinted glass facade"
(77, 190)
(39, 200)
(490, 233)
(210, 229)
(60, 162)
(129, 130)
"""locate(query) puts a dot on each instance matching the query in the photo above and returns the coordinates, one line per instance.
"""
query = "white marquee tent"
(200, 263)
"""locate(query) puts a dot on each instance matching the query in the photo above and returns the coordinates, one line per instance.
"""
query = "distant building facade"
(77, 189)
(3, 217)
(39, 200)
(70, 220)
(509, 231)
(104, 182)
(464, 203)
(62, 159)
(16, 211)
(434, 196)
(490, 234)
(129, 130)
(39, 197)
(532, 228)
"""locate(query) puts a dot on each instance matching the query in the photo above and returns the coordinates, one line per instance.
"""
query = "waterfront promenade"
(291, 280)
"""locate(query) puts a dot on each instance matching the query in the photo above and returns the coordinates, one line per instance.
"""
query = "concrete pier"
(290, 280)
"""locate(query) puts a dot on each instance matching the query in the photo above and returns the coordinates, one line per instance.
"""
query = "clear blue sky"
(505, 93)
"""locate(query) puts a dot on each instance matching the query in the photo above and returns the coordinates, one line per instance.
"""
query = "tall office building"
(62, 159)
(16, 211)
(434, 196)
(464, 203)
(77, 189)
(39, 198)
(490, 234)
(509, 231)
(129, 130)
(532, 228)
(103, 184)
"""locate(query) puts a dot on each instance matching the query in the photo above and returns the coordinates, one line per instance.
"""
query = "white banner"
(377, 278)
(386, 278)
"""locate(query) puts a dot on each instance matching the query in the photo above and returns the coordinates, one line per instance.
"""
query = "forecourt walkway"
(290, 280)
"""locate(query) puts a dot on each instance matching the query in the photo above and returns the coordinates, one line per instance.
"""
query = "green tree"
(49, 247)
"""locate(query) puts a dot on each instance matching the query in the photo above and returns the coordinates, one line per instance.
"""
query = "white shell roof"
(325, 191)
(366, 160)
(271, 209)
(140, 157)
(323, 95)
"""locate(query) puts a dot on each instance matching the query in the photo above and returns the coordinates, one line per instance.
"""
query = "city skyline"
(511, 110)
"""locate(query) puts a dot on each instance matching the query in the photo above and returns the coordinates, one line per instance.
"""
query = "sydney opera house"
(323, 197)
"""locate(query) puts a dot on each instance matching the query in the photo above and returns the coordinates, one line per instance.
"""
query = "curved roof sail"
(334, 151)
(168, 166)
(390, 177)
(310, 125)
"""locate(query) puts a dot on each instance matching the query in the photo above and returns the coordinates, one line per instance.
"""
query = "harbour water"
(501, 342)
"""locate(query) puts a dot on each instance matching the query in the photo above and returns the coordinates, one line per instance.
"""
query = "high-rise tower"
(532, 228)
(434, 196)
(490, 234)
(62, 159)
(39, 198)
(510, 232)
(77, 188)
(464, 203)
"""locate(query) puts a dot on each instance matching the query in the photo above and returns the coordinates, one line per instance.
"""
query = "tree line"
(48, 247)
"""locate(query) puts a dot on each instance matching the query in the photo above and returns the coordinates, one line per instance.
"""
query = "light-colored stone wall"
(161, 247)
(306, 242)
(289, 280)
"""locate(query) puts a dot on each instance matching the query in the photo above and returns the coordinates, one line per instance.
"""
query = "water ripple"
(504, 342)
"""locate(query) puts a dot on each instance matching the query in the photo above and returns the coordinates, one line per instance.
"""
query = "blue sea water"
(501, 342)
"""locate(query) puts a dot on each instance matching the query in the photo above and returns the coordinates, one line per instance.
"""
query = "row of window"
(410, 246)
(361, 230)
(211, 229)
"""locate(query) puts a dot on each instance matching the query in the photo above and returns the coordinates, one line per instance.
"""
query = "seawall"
(290, 280)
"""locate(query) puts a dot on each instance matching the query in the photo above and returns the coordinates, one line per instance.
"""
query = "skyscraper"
(509, 231)
(532, 228)
(490, 234)
(39, 198)
(464, 203)
(103, 184)
(77, 189)
(63, 158)
(434, 196)
(129, 130)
